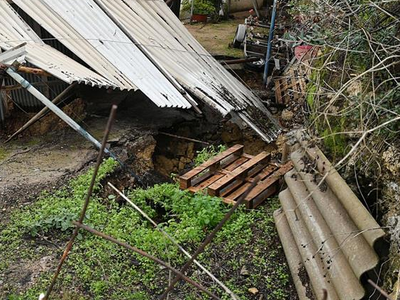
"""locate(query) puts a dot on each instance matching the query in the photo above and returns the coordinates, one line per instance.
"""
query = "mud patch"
(25, 273)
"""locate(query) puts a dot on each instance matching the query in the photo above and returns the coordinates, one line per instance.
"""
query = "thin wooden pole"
(86, 203)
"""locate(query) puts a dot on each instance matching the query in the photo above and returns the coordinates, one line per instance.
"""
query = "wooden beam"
(34, 71)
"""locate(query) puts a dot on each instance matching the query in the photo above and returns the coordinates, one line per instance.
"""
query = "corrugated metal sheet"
(327, 234)
(26, 101)
(88, 29)
(154, 25)
(14, 31)
(88, 32)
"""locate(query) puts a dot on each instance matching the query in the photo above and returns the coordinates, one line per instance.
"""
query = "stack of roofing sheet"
(14, 31)
(155, 27)
(89, 33)
(327, 234)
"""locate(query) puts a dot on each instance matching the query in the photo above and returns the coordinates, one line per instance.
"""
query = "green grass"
(98, 269)
(3, 154)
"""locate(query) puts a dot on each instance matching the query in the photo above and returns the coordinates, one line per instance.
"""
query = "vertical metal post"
(270, 37)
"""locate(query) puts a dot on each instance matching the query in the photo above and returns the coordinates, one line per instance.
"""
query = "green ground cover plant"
(98, 269)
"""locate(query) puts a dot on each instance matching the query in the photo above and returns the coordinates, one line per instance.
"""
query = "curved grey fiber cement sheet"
(318, 219)
(300, 278)
(88, 32)
(357, 211)
(335, 263)
(310, 256)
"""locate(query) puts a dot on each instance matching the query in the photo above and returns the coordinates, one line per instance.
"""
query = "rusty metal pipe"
(34, 71)
(145, 254)
(183, 138)
(87, 199)
(209, 238)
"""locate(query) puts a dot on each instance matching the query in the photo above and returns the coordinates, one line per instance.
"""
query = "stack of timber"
(229, 174)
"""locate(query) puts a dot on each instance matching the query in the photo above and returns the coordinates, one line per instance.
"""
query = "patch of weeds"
(208, 152)
(3, 154)
(98, 269)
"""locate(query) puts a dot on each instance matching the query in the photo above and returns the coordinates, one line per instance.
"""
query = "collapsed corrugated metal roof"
(14, 31)
(101, 32)
(327, 234)
(163, 35)
(89, 33)
(172, 46)
(135, 45)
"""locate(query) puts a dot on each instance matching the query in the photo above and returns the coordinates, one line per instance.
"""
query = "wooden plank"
(230, 188)
(185, 180)
(240, 161)
(233, 165)
(269, 180)
(250, 178)
(266, 172)
(201, 178)
(242, 170)
(263, 196)
(236, 194)
(206, 183)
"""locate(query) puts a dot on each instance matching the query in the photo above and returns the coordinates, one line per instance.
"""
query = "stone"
(287, 115)
(165, 164)
(180, 149)
(231, 133)
(253, 290)
(190, 150)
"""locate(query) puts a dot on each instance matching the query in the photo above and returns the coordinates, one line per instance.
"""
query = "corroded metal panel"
(158, 30)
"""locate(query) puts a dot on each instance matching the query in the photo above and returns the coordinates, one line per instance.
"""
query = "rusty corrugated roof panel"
(327, 233)
(14, 31)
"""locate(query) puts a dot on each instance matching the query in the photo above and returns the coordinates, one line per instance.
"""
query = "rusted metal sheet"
(327, 234)
(142, 45)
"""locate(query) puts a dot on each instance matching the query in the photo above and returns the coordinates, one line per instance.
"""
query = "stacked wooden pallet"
(290, 87)
(230, 173)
